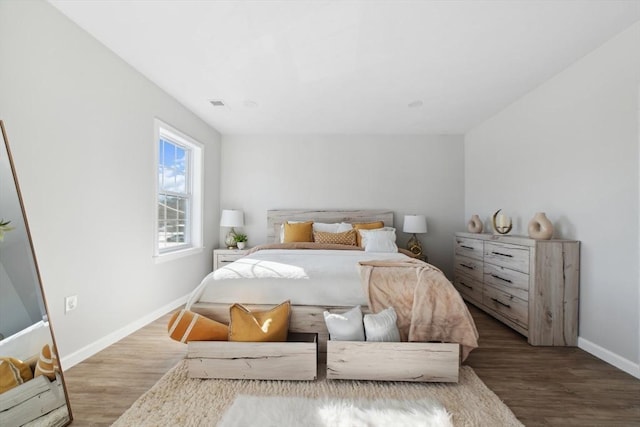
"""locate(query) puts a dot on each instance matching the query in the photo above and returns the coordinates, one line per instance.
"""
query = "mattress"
(305, 277)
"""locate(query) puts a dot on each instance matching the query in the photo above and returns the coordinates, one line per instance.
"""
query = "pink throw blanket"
(428, 306)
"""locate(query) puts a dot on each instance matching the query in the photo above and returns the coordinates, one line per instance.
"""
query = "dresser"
(530, 285)
(222, 257)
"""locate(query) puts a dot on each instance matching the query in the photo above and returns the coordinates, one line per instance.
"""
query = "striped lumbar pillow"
(13, 372)
(47, 363)
(185, 326)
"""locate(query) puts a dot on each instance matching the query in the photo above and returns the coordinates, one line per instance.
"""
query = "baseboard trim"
(611, 358)
(76, 357)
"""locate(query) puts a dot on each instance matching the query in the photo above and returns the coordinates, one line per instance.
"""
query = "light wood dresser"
(530, 285)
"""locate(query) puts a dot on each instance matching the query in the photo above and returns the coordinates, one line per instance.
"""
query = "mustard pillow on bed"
(366, 226)
(259, 326)
(346, 238)
(46, 364)
(13, 372)
(185, 326)
(298, 232)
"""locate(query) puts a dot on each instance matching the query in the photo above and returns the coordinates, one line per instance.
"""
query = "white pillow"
(382, 326)
(379, 240)
(345, 326)
(344, 226)
(326, 228)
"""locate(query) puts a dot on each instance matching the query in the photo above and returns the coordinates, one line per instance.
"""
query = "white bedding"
(305, 277)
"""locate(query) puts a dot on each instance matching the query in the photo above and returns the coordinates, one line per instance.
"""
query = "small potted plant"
(241, 240)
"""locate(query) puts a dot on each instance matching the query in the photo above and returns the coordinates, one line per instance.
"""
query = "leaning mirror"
(32, 389)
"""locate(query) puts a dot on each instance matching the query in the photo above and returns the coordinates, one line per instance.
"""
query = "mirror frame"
(37, 271)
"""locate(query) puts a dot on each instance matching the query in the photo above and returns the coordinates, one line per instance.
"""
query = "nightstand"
(222, 257)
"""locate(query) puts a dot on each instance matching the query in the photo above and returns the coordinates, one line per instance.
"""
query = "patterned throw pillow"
(47, 363)
(185, 326)
(346, 238)
(13, 372)
(259, 326)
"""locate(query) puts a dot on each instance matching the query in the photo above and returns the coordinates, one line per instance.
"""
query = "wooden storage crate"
(393, 361)
(30, 400)
(295, 359)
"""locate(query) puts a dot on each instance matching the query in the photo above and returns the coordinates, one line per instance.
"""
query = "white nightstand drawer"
(222, 257)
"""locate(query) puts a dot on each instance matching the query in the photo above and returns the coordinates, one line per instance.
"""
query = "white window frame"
(196, 178)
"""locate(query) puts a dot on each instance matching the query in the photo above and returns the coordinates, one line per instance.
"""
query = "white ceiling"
(350, 67)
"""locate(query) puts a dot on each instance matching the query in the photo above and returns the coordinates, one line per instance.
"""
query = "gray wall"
(80, 123)
(570, 149)
(406, 174)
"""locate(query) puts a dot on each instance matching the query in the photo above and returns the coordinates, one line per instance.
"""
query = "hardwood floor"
(542, 385)
(102, 387)
(555, 386)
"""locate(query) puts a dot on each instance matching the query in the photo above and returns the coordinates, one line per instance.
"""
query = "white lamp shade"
(415, 224)
(232, 218)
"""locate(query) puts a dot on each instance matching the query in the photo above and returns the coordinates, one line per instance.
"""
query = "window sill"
(170, 256)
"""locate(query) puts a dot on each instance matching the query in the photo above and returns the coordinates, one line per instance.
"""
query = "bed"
(314, 278)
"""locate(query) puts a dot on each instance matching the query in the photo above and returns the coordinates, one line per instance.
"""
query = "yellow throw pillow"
(346, 238)
(298, 232)
(366, 226)
(185, 326)
(46, 363)
(259, 326)
(13, 372)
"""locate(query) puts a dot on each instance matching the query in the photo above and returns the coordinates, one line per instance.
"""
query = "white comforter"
(305, 277)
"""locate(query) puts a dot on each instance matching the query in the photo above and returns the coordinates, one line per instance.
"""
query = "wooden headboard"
(275, 218)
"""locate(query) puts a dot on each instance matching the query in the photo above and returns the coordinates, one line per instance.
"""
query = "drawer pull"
(466, 286)
(466, 247)
(467, 266)
(500, 302)
(501, 254)
(500, 278)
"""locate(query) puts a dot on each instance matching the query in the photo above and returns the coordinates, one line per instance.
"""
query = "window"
(178, 207)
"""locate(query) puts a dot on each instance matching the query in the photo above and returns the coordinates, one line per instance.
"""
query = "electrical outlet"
(70, 303)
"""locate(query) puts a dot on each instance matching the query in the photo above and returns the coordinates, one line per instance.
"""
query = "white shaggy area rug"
(328, 411)
(177, 400)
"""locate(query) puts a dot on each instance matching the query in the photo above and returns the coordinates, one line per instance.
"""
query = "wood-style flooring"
(543, 386)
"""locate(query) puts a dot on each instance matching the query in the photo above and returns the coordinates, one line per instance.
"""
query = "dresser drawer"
(505, 255)
(468, 287)
(471, 248)
(510, 281)
(507, 304)
(469, 266)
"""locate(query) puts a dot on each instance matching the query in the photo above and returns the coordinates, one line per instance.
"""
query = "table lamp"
(231, 218)
(415, 224)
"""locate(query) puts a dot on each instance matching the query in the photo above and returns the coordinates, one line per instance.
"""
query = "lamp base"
(415, 246)
(230, 240)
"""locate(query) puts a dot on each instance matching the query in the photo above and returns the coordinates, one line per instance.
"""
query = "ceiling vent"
(217, 102)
